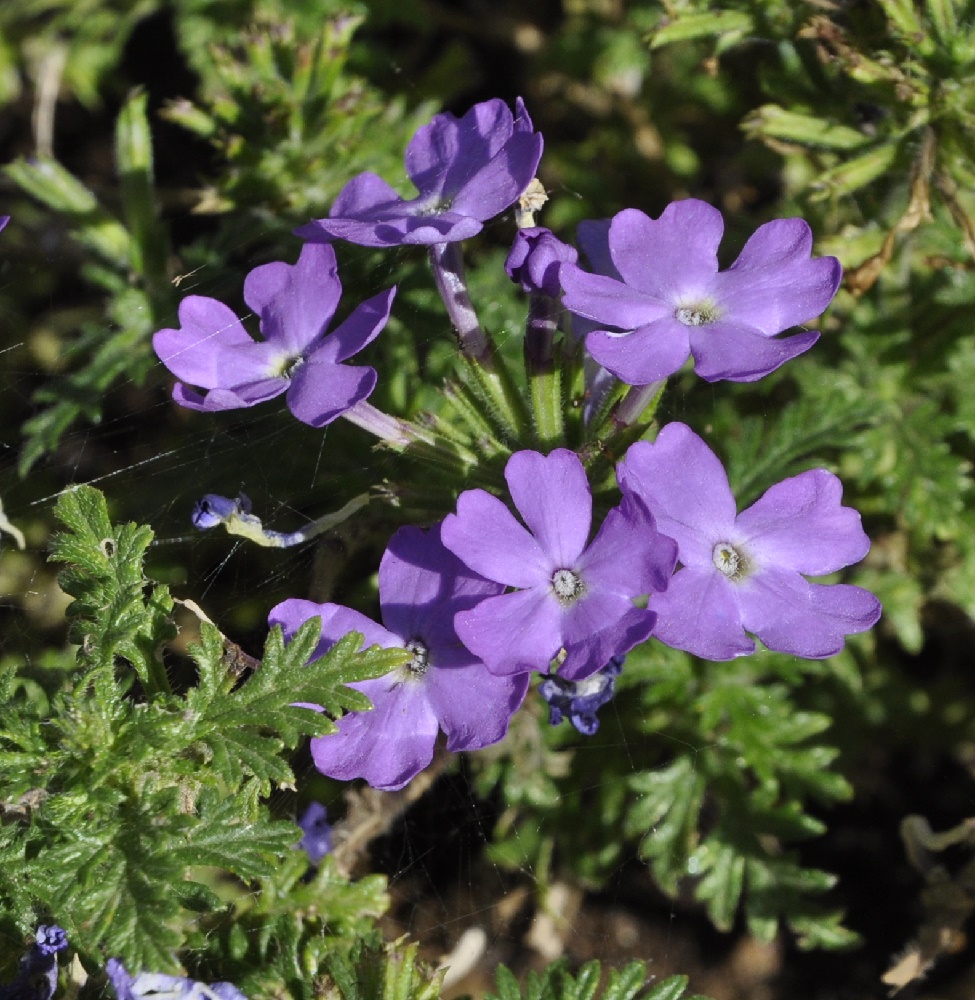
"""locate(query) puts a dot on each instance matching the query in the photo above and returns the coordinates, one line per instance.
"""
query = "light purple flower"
(747, 572)
(467, 171)
(295, 304)
(421, 588)
(569, 596)
(155, 984)
(535, 258)
(316, 840)
(668, 300)
(4, 219)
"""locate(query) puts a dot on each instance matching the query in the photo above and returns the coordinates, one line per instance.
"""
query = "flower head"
(4, 219)
(570, 596)
(37, 974)
(295, 304)
(316, 839)
(748, 571)
(466, 170)
(422, 587)
(158, 986)
(668, 300)
(580, 700)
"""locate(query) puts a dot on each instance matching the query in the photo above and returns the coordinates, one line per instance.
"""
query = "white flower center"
(420, 662)
(730, 561)
(697, 314)
(568, 586)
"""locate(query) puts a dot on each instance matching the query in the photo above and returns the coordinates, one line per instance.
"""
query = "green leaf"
(242, 733)
(774, 122)
(116, 611)
(687, 27)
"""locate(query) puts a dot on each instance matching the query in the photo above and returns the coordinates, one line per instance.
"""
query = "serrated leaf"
(670, 989)
(244, 731)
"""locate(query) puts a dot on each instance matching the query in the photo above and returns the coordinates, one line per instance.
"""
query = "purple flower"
(534, 261)
(316, 840)
(421, 589)
(295, 304)
(155, 985)
(580, 700)
(467, 171)
(37, 974)
(4, 219)
(668, 300)
(748, 571)
(569, 596)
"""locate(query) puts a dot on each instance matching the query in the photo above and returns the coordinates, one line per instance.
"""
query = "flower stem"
(639, 404)
(448, 272)
(392, 430)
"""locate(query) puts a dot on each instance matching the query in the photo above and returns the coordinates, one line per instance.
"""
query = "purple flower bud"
(580, 700)
(4, 219)
(214, 509)
(534, 261)
(317, 839)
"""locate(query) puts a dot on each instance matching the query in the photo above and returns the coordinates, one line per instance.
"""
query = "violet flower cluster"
(495, 593)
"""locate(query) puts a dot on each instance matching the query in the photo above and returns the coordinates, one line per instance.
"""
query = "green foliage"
(129, 270)
(291, 125)
(288, 933)
(715, 789)
(126, 797)
(557, 983)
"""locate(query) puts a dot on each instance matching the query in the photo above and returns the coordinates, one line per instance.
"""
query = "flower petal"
(726, 350)
(321, 392)
(295, 302)
(597, 627)
(799, 524)
(673, 257)
(337, 622)
(774, 284)
(685, 486)
(649, 354)
(240, 397)
(791, 615)
(211, 348)
(473, 705)
(498, 183)
(699, 614)
(629, 556)
(422, 585)
(592, 235)
(514, 633)
(443, 155)
(387, 746)
(486, 536)
(552, 494)
(608, 301)
(361, 327)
